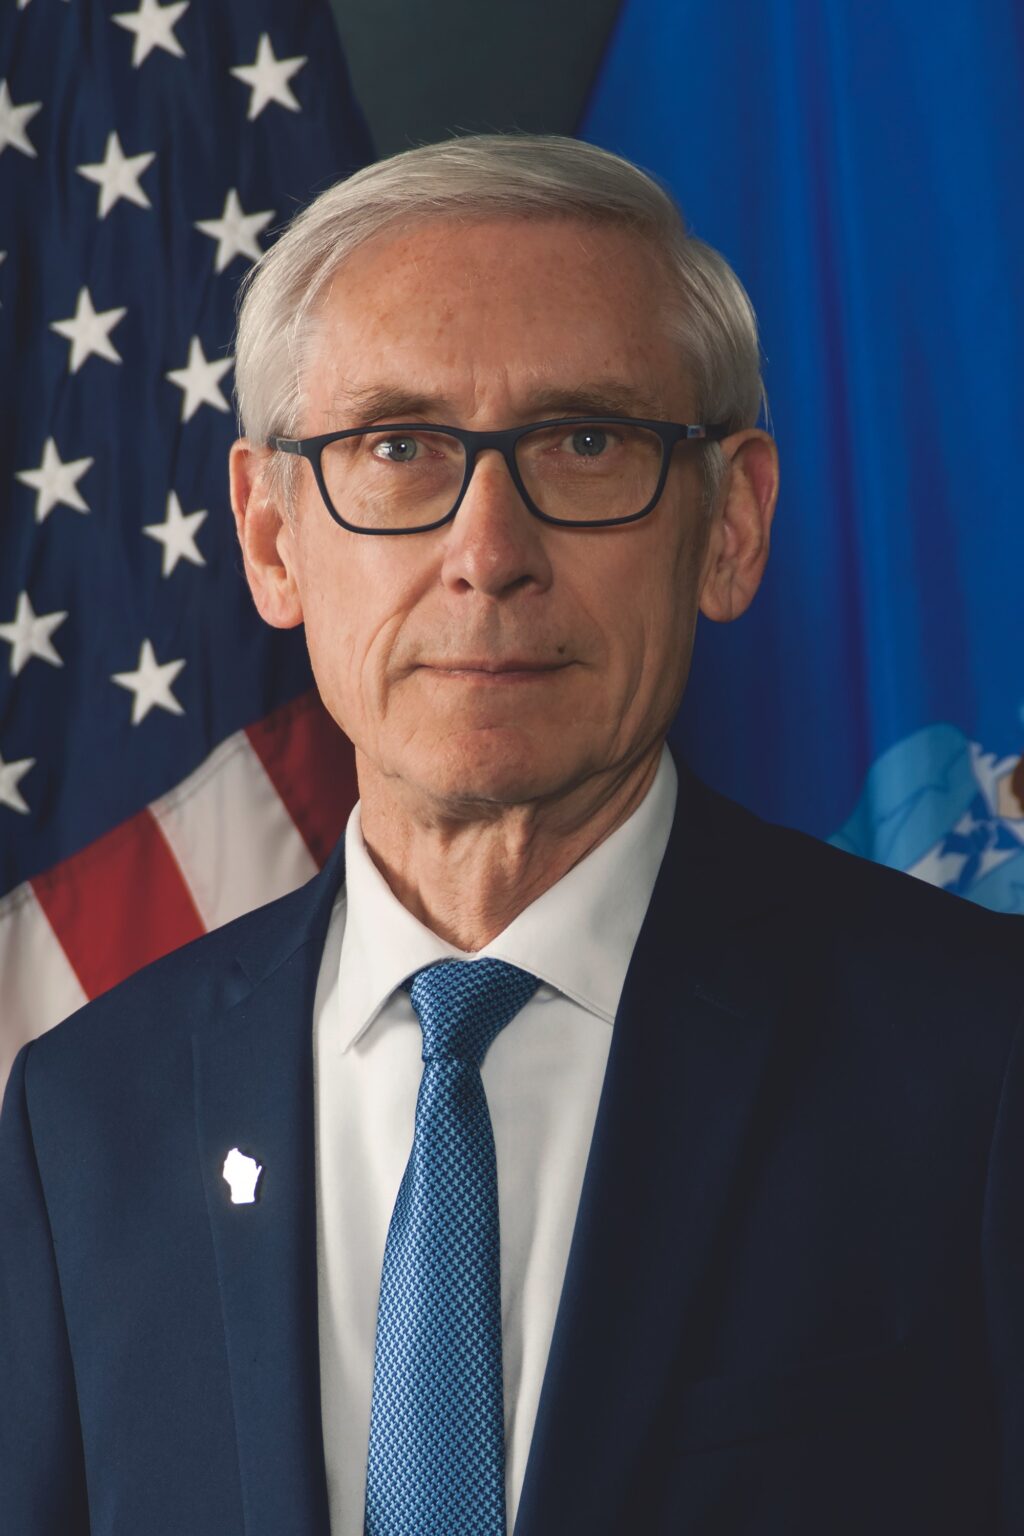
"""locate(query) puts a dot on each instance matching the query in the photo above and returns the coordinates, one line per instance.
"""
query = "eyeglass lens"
(588, 472)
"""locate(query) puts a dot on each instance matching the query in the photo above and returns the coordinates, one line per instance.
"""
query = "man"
(576, 1153)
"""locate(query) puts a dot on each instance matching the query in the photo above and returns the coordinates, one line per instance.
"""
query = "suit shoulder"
(841, 901)
(880, 894)
(201, 979)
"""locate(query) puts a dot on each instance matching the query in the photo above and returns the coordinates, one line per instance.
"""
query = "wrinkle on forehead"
(532, 400)
(476, 326)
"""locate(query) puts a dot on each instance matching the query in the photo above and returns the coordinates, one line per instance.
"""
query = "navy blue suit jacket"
(795, 1298)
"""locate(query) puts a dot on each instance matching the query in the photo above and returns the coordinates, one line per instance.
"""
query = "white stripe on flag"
(231, 834)
(38, 988)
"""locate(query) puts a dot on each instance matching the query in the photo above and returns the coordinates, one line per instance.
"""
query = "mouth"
(509, 670)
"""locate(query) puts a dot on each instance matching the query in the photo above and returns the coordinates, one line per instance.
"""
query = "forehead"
(496, 314)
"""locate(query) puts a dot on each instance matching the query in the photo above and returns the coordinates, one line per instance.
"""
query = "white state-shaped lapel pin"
(242, 1175)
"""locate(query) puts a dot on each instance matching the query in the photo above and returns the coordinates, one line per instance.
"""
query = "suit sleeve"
(1003, 1237)
(42, 1475)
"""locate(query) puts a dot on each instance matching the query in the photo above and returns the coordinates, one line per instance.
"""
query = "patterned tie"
(437, 1426)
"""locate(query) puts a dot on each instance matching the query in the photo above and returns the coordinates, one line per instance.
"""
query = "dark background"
(423, 71)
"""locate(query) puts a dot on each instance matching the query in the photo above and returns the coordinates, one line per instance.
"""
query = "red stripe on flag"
(311, 764)
(118, 904)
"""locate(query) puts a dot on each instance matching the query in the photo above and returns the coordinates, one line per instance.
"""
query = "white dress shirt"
(542, 1076)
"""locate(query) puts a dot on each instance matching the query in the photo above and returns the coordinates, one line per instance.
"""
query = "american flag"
(163, 763)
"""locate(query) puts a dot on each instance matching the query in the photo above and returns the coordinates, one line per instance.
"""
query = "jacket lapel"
(693, 1044)
(254, 1092)
(694, 1039)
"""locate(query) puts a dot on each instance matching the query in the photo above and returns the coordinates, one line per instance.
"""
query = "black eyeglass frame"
(671, 433)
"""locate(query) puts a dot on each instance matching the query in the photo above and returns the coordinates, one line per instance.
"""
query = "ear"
(737, 549)
(265, 535)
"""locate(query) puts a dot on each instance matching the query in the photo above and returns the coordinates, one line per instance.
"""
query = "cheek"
(354, 610)
(661, 618)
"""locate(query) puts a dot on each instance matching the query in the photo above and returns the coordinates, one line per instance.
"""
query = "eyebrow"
(606, 397)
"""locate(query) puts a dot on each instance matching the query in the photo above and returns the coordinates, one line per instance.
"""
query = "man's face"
(499, 660)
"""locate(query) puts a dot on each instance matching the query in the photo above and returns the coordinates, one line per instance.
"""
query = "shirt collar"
(578, 936)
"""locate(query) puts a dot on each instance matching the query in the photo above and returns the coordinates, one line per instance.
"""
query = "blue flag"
(860, 167)
(149, 149)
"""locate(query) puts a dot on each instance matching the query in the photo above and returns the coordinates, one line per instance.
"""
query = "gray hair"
(523, 175)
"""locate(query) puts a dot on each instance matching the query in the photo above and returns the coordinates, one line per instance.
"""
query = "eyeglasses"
(575, 472)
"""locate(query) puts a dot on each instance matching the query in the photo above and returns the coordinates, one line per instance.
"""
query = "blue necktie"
(437, 1425)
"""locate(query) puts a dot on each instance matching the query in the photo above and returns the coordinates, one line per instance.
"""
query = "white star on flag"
(28, 635)
(235, 231)
(177, 534)
(55, 482)
(267, 77)
(151, 684)
(10, 774)
(89, 332)
(198, 380)
(153, 25)
(14, 120)
(117, 175)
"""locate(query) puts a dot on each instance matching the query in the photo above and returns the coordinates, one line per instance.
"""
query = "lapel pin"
(242, 1175)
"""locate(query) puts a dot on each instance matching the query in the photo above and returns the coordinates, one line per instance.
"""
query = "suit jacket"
(795, 1297)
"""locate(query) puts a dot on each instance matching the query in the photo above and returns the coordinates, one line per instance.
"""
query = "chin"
(500, 765)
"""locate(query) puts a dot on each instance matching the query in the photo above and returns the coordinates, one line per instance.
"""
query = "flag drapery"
(163, 765)
(860, 166)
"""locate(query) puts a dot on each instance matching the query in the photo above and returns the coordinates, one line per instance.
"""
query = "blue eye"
(399, 450)
(589, 442)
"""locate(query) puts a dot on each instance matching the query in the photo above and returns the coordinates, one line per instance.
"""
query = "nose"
(495, 545)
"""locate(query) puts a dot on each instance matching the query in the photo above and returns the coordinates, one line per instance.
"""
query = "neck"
(466, 876)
